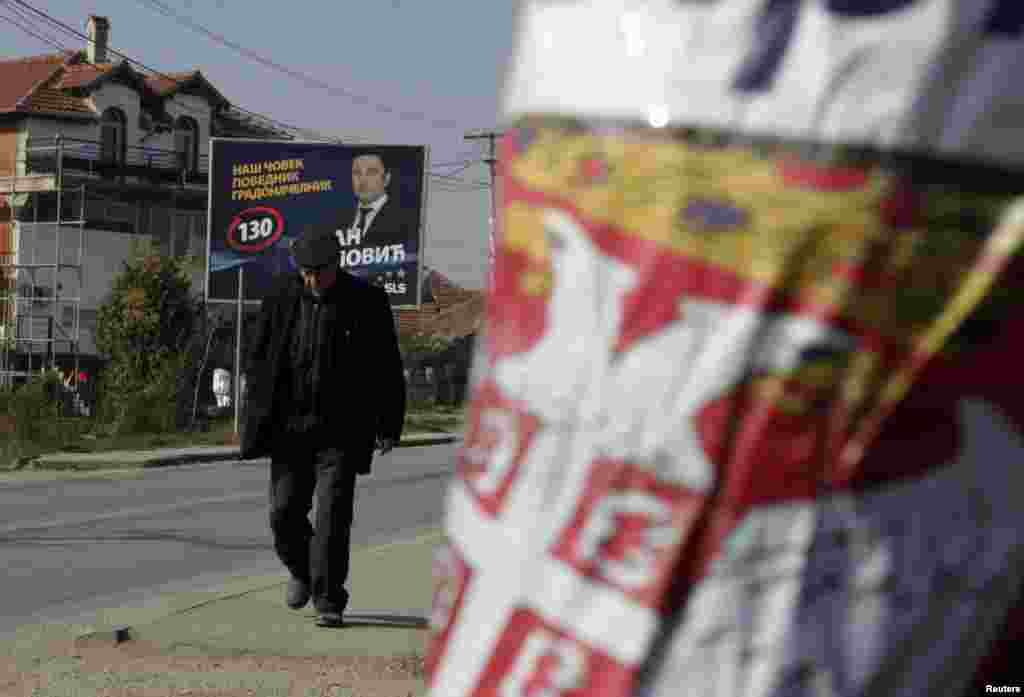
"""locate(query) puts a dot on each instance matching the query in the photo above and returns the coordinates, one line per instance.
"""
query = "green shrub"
(34, 405)
(34, 408)
(141, 397)
(419, 345)
(146, 328)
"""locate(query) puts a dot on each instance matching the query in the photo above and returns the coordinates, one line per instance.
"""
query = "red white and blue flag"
(747, 418)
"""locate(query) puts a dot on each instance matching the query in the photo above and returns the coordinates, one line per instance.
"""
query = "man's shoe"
(330, 619)
(298, 594)
(331, 612)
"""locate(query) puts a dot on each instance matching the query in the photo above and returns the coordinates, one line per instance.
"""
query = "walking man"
(325, 389)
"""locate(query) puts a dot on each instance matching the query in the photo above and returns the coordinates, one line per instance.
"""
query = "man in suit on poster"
(379, 228)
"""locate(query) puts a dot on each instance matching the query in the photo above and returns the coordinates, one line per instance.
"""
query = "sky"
(400, 71)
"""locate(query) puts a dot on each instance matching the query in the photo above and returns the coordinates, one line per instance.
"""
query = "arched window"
(186, 143)
(112, 136)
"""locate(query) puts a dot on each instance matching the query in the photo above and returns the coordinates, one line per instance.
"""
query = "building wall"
(193, 107)
(177, 232)
(103, 251)
(8, 151)
(8, 168)
(138, 140)
(126, 99)
(102, 255)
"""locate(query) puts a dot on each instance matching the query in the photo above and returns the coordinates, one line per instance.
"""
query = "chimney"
(98, 29)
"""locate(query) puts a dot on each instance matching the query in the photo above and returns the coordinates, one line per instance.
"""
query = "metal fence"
(44, 154)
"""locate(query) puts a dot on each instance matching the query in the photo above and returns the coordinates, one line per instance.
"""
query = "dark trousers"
(316, 554)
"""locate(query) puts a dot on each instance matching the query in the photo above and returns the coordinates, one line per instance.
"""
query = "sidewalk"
(241, 637)
(182, 456)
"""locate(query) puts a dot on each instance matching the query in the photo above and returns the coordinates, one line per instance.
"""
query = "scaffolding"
(35, 306)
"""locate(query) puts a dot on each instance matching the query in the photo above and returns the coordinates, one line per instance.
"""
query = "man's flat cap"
(316, 250)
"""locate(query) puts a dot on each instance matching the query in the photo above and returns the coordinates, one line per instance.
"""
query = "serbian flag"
(747, 416)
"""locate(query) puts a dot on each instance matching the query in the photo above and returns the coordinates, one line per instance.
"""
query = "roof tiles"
(82, 74)
(46, 98)
(18, 77)
(457, 312)
(44, 83)
(162, 84)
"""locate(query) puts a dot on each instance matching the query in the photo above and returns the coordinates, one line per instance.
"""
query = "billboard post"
(265, 195)
(491, 160)
(238, 344)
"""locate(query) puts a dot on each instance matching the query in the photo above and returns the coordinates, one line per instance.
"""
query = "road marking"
(128, 513)
(143, 511)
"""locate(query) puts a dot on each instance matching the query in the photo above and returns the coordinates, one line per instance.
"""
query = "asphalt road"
(72, 547)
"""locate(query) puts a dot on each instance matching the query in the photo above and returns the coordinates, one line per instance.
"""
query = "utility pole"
(492, 160)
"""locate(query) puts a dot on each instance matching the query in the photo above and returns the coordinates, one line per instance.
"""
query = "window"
(112, 136)
(186, 143)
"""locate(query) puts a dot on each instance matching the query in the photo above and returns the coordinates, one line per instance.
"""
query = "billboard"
(265, 195)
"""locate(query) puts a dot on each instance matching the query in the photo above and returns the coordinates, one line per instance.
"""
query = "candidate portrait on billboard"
(265, 195)
(376, 228)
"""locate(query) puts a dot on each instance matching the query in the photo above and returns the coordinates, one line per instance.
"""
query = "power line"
(66, 29)
(453, 164)
(460, 185)
(70, 31)
(304, 78)
(453, 174)
(74, 32)
(459, 190)
(446, 182)
(23, 15)
(29, 26)
(49, 41)
(54, 42)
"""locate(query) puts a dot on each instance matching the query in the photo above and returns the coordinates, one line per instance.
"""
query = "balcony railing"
(88, 156)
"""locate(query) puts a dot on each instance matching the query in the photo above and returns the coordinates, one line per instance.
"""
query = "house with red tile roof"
(447, 310)
(454, 314)
(110, 155)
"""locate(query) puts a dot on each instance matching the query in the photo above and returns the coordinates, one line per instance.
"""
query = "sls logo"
(255, 229)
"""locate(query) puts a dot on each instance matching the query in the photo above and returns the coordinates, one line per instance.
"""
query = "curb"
(214, 454)
(232, 455)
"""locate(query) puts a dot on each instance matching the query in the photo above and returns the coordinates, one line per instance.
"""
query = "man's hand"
(385, 445)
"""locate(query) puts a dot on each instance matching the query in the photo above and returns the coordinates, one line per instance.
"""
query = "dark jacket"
(362, 373)
(394, 224)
